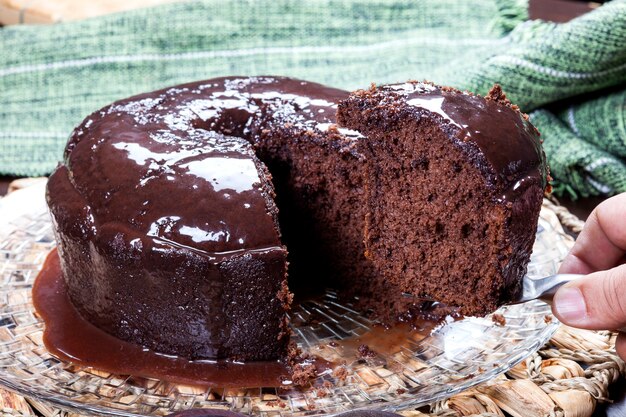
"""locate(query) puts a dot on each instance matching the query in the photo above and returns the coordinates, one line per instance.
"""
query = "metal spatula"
(543, 288)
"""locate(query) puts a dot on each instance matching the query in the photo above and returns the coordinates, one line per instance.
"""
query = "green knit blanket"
(570, 77)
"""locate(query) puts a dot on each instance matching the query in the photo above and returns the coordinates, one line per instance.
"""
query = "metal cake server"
(543, 288)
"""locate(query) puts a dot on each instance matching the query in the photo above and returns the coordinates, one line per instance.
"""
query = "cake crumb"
(333, 128)
(285, 330)
(497, 95)
(547, 318)
(276, 403)
(498, 319)
(364, 351)
(341, 373)
(295, 355)
(285, 296)
(303, 373)
(321, 393)
(302, 368)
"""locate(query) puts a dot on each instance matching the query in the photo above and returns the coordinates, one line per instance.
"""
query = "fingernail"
(570, 305)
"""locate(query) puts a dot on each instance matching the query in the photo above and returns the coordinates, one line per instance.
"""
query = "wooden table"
(4, 184)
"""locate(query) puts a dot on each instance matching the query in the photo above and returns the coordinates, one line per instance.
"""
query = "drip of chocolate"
(73, 339)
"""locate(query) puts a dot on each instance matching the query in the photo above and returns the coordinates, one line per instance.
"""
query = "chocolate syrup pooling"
(71, 338)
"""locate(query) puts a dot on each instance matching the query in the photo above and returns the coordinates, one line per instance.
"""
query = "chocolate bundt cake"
(167, 222)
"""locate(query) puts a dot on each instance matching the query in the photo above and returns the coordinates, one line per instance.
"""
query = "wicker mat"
(567, 377)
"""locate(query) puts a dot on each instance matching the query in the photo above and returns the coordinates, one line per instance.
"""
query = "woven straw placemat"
(568, 376)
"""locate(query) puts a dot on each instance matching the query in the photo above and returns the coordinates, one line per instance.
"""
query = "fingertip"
(602, 242)
(569, 306)
(596, 301)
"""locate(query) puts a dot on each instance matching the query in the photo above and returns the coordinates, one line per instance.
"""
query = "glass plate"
(452, 358)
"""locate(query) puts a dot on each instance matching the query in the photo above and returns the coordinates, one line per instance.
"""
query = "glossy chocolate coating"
(167, 228)
(506, 147)
(126, 158)
(71, 338)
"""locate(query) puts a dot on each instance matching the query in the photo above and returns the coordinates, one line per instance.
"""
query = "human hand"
(598, 300)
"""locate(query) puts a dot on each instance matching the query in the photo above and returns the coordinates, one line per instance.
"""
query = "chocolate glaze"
(506, 145)
(71, 338)
(154, 145)
(167, 229)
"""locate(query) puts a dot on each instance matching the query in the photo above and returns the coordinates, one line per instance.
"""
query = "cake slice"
(455, 185)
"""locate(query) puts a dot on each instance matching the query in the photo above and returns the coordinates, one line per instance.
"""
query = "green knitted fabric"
(601, 121)
(582, 168)
(51, 77)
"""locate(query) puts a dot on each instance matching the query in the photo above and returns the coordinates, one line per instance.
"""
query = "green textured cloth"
(580, 167)
(608, 132)
(51, 77)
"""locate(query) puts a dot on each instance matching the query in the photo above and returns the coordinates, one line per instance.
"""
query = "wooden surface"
(559, 10)
(45, 11)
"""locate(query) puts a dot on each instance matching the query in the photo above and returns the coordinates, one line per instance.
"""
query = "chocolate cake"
(167, 221)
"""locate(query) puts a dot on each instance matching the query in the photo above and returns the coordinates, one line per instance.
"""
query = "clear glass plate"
(451, 359)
